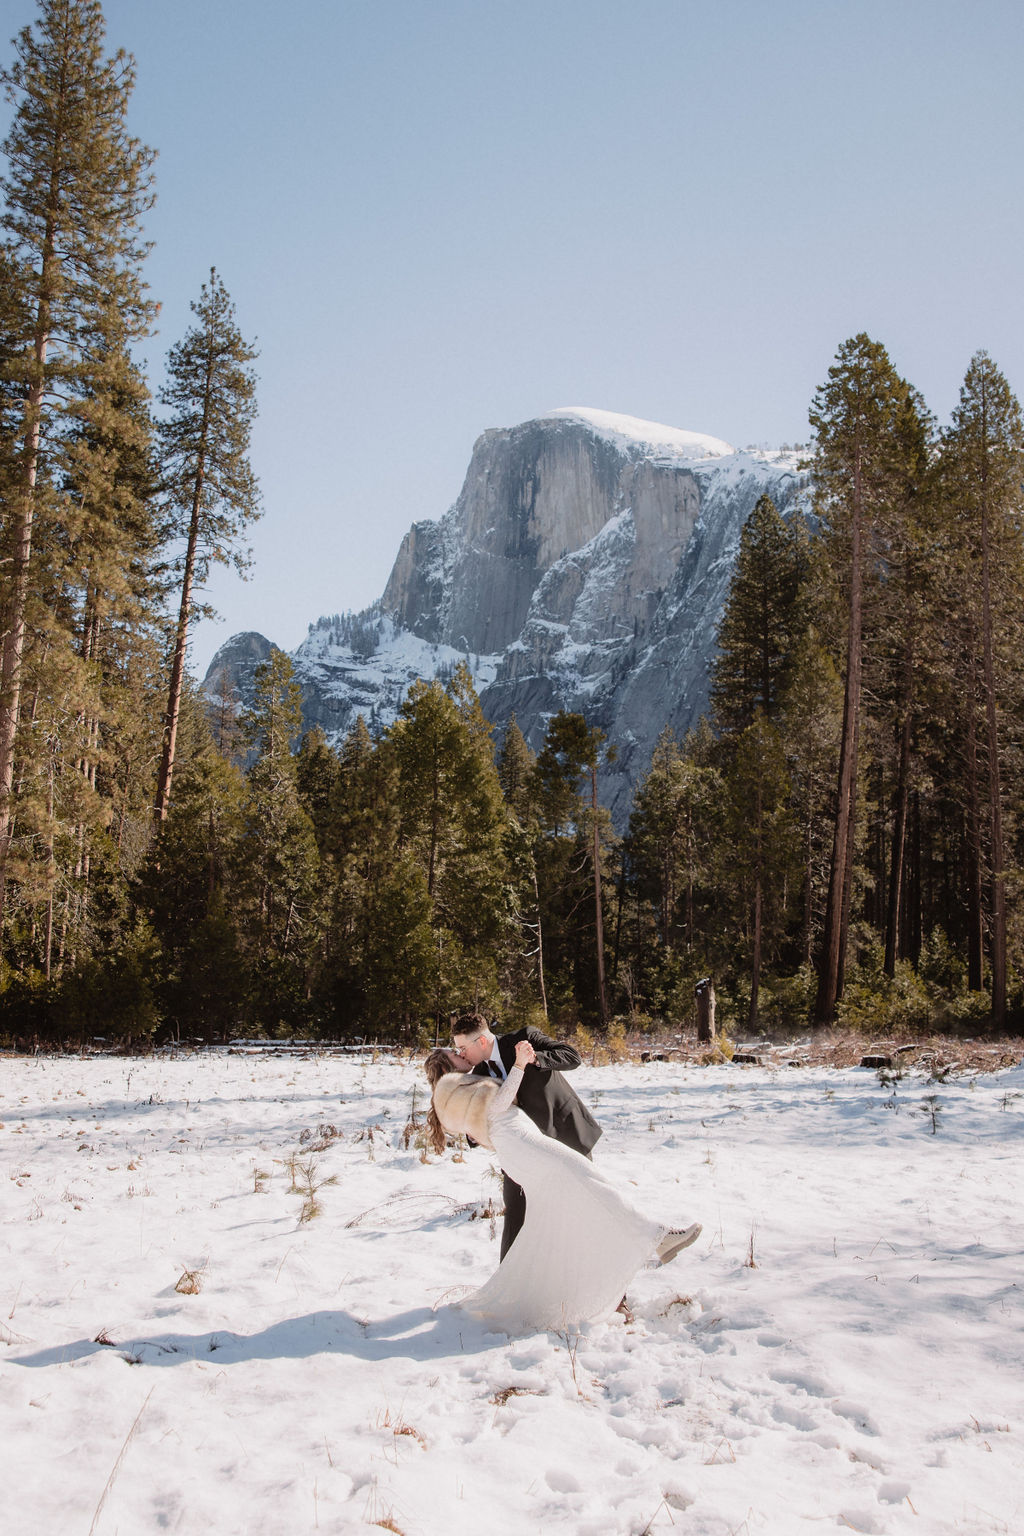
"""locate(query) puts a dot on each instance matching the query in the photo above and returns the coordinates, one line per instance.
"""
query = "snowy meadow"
(229, 1303)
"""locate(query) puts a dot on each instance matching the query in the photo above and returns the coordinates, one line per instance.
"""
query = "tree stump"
(705, 994)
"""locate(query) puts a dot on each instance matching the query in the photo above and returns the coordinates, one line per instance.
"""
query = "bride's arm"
(505, 1096)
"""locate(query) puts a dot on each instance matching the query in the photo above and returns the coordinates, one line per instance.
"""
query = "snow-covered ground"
(865, 1373)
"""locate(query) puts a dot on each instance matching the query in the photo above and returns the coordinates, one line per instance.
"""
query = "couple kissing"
(571, 1240)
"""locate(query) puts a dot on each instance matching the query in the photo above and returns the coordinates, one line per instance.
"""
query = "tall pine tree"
(210, 491)
(764, 618)
(984, 456)
(566, 772)
(276, 872)
(853, 417)
(76, 189)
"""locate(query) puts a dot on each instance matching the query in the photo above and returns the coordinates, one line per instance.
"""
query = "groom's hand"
(555, 1055)
(525, 1053)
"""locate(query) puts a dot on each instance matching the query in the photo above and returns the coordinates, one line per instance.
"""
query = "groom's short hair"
(470, 1025)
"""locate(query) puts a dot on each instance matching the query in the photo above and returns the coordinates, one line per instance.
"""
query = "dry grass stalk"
(403, 1200)
(489, 1213)
(415, 1125)
(399, 1426)
(373, 1514)
(572, 1344)
(678, 1304)
(191, 1282)
(662, 1506)
(117, 1464)
(501, 1398)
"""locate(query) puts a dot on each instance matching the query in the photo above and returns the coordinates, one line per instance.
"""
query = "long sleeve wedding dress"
(582, 1240)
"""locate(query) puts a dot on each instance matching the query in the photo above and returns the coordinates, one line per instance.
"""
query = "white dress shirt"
(495, 1059)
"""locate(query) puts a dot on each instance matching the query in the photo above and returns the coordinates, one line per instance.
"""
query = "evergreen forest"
(840, 840)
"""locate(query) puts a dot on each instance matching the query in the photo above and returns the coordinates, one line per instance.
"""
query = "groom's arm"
(553, 1055)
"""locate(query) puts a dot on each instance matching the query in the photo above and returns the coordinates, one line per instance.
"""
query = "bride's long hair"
(436, 1066)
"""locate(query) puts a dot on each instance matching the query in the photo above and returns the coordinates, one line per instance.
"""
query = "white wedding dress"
(581, 1243)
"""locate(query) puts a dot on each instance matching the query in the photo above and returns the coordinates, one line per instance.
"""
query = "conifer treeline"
(110, 518)
(856, 816)
(841, 837)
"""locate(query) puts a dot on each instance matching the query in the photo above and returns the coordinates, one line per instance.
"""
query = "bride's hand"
(525, 1053)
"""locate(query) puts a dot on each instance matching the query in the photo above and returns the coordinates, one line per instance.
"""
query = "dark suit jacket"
(544, 1094)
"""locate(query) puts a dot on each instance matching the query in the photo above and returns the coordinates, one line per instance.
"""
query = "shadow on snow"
(420, 1334)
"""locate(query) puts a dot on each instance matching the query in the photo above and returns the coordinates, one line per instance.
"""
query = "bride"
(582, 1240)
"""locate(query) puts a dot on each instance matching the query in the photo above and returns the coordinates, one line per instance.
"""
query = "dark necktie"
(495, 1071)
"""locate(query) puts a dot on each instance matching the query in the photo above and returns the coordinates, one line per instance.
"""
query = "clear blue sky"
(439, 216)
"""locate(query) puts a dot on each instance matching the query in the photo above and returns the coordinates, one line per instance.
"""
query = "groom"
(544, 1095)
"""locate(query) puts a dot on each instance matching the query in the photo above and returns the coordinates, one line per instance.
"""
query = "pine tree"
(186, 885)
(983, 452)
(453, 820)
(905, 599)
(758, 849)
(380, 970)
(276, 870)
(566, 773)
(316, 776)
(764, 617)
(515, 770)
(209, 488)
(671, 832)
(76, 190)
(854, 467)
(809, 723)
(517, 777)
(669, 856)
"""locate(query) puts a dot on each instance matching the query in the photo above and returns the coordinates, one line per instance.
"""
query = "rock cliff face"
(584, 566)
(230, 673)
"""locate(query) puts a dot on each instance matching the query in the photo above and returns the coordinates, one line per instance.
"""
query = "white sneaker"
(675, 1241)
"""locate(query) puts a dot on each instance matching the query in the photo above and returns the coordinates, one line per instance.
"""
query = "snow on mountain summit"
(630, 432)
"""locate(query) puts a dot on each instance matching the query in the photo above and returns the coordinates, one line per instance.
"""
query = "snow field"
(863, 1372)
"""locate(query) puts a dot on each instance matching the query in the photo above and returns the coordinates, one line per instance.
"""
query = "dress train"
(581, 1243)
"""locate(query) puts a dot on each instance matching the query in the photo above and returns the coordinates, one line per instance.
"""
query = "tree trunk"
(620, 902)
(899, 839)
(163, 788)
(166, 774)
(540, 945)
(435, 823)
(602, 997)
(755, 959)
(689, 881)
(912, 907)
(975, 917)
(705, 995)
(21, 553)
(51, 874)
(837, 911)
(998, 937)
(755, 963)
(808, 946)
